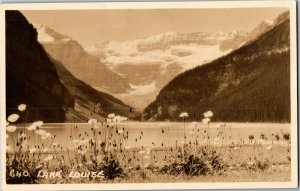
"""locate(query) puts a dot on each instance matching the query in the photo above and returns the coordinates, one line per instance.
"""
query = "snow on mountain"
(42, 35)
(79, 62)
(47, 35)
(150, 63)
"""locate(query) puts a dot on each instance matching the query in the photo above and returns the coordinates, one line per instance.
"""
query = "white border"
(158, 5)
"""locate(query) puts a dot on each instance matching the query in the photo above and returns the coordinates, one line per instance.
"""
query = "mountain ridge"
(238, 86)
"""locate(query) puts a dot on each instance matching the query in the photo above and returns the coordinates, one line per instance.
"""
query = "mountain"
(80, 63)
(251, 83)
(150, 63)
(31, 77)
(88, 100)
(51, 92)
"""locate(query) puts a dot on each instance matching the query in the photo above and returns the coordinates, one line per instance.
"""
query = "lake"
(166, 133)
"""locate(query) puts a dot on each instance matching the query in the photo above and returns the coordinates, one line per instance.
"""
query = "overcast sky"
(93, 26)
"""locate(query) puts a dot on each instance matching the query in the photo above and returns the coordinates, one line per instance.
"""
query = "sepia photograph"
(123, 95)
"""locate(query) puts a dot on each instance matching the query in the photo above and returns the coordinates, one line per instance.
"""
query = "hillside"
(249, 84)
(88, 100)
(31, 77)
(50, 91)
(81, 64)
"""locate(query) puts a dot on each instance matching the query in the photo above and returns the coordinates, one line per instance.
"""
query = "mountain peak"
(48, 35)
(282, 17)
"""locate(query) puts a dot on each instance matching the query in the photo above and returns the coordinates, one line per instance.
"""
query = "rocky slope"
(51, 92)
(249, 84)
(89, 101)
(81, 64)
(31, 77)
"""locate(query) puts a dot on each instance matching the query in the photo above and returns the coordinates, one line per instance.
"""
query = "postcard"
(149, 95)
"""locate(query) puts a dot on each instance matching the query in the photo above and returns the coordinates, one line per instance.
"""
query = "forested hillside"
(250, 84)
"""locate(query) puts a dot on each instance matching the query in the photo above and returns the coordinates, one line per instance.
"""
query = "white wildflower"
(184, 115)
(45, 150)
(112, 115)
(208, 114)
(31, 128)
(40, 132)
(92, 121)
(120, 131)
(13, 118)
(22, 107)
(11, 128)
(49, 158)
(205, 120)
(268, 147)
(32, 150)
(9, 149)
(38, 123)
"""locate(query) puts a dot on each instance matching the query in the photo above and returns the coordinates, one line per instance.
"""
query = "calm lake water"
(155, 133)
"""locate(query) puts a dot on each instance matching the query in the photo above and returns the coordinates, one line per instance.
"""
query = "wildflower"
(38, 123)
(216, 139)
(222, 125)
(250, 163)
(208, 114)
(194, 124)
(146, 156)
(11, 128)
(268, 147)
(45, 150)
(31, 128)
(13, 118)
(49, 158)
(120, 131)
(184, 115)
(117, 118)
(109, 120)
(40, 132)
(46, 136)
(124, 118)
(21, 135)
(81, 152)
(22, 107)
(76, 142)
(32, 150)
(112, 115)
(89, 162)
(9, 149)
(205, 120)
(148, 150)
(92, 121)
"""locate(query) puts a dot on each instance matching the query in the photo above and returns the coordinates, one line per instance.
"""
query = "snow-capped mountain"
(136, 70)
(150, 63)
(80, 63)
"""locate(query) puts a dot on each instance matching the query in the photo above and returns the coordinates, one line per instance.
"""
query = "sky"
(95, 26)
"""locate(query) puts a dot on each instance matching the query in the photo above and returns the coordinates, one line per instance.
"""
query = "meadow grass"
(100, 154)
